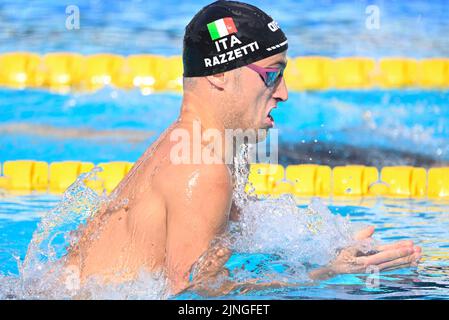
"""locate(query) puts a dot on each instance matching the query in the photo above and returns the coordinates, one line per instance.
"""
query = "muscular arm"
(198, 207)
(198, 200)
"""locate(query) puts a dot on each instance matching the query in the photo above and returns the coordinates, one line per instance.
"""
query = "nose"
(281, 91)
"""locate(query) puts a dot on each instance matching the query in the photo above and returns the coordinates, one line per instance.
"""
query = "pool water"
(382, 127)
(375, 127)
(331, 28)
(379, 127)
(388, 127)
(425, 222)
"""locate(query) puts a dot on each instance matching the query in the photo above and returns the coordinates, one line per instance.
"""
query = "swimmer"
(165, 213)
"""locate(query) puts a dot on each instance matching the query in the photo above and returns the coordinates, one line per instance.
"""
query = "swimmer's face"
(253, 100)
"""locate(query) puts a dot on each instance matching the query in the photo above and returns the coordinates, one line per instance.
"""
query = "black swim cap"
(227, 35)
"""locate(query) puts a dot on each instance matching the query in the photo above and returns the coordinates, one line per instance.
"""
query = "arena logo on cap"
(273, 26)
(221, 28)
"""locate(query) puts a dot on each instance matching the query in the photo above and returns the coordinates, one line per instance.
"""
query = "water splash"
(240, 174)
(282, 241)
(78, 203)
(299, 237)
(271, 231)
(43, 274)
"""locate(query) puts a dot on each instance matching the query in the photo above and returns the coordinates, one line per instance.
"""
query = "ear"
(218, 81)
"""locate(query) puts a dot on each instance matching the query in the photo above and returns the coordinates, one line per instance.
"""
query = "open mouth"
(269, 119)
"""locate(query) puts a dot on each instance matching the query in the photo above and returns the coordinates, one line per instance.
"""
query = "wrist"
(322, 273)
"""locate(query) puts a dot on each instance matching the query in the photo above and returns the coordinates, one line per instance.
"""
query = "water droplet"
(72, 103)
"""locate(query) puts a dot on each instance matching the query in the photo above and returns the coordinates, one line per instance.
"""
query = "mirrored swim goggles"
(271, 76)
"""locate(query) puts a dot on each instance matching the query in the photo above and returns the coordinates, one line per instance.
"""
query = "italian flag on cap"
(221, 27)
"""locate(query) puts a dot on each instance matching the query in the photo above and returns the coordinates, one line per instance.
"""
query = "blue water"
(425, 222)
(415, 28)
(119, 125)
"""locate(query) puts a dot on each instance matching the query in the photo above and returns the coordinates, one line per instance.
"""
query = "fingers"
(385, 256)
(395, 245)
(394, 258)
(364, 233)
(213, 261)
(403, 262)
(224, 252)
(418, 255)
(401, 266)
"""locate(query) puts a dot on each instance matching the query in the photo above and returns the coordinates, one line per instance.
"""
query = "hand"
(212, 278)
(400, 254)
(212, 262)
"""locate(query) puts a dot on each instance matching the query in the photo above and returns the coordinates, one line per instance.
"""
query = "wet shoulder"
(177, 180)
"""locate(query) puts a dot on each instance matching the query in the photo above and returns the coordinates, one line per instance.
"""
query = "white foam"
(298, 237)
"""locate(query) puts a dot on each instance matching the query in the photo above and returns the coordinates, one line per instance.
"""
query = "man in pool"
(165, 214)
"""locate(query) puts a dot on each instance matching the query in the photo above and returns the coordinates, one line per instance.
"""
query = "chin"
(265, 126)
(259, 134)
